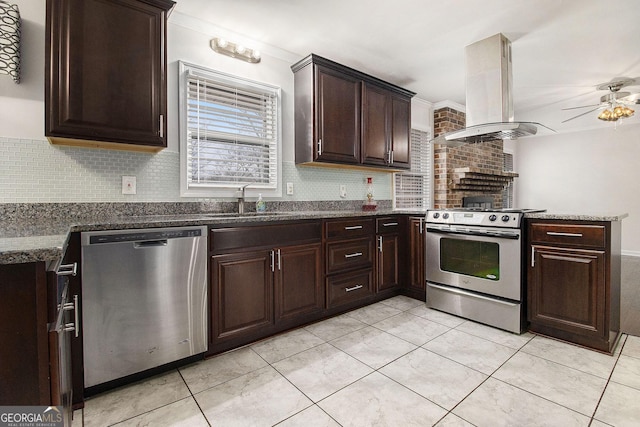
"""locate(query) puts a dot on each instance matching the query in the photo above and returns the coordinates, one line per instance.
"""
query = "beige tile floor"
(394, 363)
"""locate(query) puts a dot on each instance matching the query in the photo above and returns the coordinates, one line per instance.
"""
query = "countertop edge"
(576, 217)
(50, 245)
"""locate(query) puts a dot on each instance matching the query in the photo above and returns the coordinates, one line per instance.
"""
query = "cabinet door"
(567, 290)
(106, 71)
(338, 117)
(400, 132)
(298, 285)
(387, 265)
(416, 254)
(24, 354)
(241, 297)
(376, 143)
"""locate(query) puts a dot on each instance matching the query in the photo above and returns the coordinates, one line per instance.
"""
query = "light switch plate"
(343, 191)
(289, 188)
(128, 184)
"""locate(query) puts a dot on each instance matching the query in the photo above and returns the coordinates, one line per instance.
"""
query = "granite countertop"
(46, 240)
(600, 216)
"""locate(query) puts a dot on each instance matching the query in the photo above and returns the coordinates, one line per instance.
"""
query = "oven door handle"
(500, 235)
(470, 294)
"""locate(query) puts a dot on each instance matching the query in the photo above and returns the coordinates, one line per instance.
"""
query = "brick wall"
(487, 156)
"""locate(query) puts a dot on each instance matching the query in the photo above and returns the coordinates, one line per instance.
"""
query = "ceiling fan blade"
(634, 98)
(582, 106)
(580, 115)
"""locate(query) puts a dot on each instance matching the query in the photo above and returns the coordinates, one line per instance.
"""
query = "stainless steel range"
(474, 265)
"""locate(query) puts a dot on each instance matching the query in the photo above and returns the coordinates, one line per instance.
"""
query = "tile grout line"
(593, 416)
(194, 397)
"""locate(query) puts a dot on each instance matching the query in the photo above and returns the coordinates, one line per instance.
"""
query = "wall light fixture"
(10, 40)
(234, 50)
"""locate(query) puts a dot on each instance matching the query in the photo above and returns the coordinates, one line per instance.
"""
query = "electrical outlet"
(289, 188)
(343, 191)
(128, 185)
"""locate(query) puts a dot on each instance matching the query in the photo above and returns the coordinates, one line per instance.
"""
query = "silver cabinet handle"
(67, 269)
(76, 325)
(273, 261)
(380, 243)
(279, 260)
(76, 313)
(555, 233)
(391, 157)
(354, 288)
(353, 255)
(320, 147)
(389, 224)
(161, 126)
(353, 227)
(533, 256)
(421, 227)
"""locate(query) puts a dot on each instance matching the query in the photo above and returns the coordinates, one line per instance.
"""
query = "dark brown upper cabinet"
(346, 117)
(105, 81)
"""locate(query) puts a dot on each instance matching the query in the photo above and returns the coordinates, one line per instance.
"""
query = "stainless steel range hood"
(489, 109)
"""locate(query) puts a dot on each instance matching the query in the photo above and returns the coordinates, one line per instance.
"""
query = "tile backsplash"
(33, 171)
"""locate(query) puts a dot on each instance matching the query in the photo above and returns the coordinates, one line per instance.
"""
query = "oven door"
(475, 258)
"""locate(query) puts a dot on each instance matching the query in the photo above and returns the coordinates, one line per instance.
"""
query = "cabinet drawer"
(388, 225)
(349, 287)
(346, 229)
(223, 240)
(352, 254)
(581, 235)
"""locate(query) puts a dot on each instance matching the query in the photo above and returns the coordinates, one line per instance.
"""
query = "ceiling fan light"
(618, 111)
(605, 115)
(627, 112)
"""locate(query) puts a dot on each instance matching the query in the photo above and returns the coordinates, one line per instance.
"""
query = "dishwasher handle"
(150, 244)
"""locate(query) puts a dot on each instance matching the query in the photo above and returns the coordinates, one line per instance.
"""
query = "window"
(229, 134)
(413, 188)
(507, 193)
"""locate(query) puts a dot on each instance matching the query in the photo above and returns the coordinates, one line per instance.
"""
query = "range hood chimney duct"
(489, 103)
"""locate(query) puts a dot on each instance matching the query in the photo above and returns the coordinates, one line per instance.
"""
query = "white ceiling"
(562, 49)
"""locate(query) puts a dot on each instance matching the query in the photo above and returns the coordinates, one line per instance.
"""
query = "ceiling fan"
(615, 104)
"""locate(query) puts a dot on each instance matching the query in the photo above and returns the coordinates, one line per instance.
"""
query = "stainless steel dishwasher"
(144, 299)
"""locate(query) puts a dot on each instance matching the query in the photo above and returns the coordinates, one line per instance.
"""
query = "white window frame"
(417, 170)
(510, 190)
(226, 189)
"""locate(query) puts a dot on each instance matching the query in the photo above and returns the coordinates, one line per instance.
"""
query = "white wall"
(584, 172)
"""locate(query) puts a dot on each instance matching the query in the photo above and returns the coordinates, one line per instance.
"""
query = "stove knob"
(436, 215)
(445, 215)
(493, 217)
(505, 218)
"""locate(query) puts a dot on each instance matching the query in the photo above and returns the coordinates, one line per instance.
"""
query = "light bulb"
(240, 49)
(222, 42)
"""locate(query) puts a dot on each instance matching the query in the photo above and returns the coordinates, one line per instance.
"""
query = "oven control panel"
(473, 217)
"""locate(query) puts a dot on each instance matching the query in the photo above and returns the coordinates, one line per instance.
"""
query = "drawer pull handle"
(555, 233)
(389, 224)
(353, 227)
(354, 288)
(353, 255)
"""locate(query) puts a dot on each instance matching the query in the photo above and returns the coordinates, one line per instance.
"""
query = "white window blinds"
(413, 188)
(231, 130)
(507, 193)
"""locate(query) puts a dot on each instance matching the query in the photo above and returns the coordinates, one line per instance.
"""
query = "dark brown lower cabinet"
(242, 294)
(258, 289)
(415, 280)
(24, 349)
(299, 289)
(387, 261)
(574, 282)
